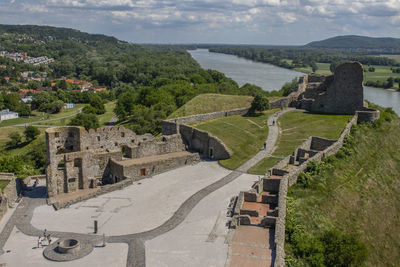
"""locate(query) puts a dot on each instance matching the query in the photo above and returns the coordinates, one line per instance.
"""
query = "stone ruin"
(341, 93)
(80, 159)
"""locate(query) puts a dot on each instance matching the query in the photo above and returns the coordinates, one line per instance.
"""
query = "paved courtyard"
(140, 207)
(202, 238)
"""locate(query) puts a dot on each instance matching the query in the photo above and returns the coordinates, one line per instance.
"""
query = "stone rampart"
(291, 178)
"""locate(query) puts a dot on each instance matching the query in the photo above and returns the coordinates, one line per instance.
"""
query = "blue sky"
(289, 22)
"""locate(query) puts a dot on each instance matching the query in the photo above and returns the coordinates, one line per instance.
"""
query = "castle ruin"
(80, 159)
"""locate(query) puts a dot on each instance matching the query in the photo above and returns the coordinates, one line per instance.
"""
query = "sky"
(274, 22)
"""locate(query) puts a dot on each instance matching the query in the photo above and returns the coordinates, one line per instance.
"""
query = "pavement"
(137, 208)
(176, 218)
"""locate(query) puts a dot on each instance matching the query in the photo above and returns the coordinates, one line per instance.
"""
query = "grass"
(106, 117)
(3, 184)
(358, 194)
(381, 73)
(207, 103)
(23, 149)
(296, 126)
(395, 57)
(245, 136)
(40, 117)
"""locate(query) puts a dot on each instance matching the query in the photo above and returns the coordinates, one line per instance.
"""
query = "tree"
(31, 132)
(313, 66)
(96, 102)
(89, 121)
(15, 139)
(260, 103)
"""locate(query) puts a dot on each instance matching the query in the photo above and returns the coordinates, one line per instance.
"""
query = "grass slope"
(207, 103)
(244, 135)
(358, 194)
(296, 126)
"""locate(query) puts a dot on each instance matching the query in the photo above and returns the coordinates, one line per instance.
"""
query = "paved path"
(273, 133)
(136, 254)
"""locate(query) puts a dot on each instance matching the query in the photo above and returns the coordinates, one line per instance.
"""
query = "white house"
(69, 105)
(8, 115)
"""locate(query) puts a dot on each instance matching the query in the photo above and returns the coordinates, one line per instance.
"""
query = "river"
(270, 77)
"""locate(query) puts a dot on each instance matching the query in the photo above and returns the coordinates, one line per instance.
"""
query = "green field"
(207, 103)
(244, 135)
(357, 194)
(41, 116)
(20, 150)
(395, 57)
(106, 117)
(296, 126)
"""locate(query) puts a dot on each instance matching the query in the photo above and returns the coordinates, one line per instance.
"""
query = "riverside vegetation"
(334, 212)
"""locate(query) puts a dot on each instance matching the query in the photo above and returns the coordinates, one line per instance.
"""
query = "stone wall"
(79, 159)
(291, 178)
(341, 93)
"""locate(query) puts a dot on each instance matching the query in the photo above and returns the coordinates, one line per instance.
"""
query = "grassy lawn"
(3, 184)
(106, 117)
(357, 194)
(207, 103)
(395, 57)
(245, 136)
(40, 116)
(381, 73)
(296, 126)
(20, 150)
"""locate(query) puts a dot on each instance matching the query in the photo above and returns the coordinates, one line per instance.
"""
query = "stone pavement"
(23, 214)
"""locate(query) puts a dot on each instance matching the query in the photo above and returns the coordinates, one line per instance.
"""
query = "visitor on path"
(273, 122)
(49, 238)
(265, 145)
(39, 241)
(45, 233)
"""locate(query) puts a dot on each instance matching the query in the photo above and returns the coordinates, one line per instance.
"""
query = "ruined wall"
(367, 115)
(132, 169)
(204, 143)
(159, 146)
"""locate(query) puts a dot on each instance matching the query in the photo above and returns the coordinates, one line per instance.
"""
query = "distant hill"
(358, 42)
(43, 32)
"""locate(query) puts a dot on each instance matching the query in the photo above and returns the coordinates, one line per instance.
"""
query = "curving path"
(136, 253)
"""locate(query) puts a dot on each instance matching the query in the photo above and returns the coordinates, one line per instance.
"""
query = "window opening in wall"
(57, 134)
(98, 138)
(70, 134)
(116, 144)
(143, 172)
(78, 162)
(122, 134)
(125, 153)
(133, 140)
(211, 153)
(71, 180)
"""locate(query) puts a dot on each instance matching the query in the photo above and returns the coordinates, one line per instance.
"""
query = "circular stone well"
(67, 249)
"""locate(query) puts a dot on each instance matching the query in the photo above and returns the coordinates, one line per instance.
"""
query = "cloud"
(260, 21)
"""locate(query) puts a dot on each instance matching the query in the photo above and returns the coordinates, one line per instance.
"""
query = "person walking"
(49, 238)
(45, 233)
(39, 241)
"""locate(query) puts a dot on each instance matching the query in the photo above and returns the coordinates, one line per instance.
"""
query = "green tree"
(96, 102)
(89, 121)
(313, 66)
(259, 103)
(31, 132)
(15, 140)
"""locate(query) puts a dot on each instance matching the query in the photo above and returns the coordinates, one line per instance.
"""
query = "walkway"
(136, 254)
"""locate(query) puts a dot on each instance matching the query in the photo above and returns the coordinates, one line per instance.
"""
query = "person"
(39, 241)
(49, 238)
(273, 122)
(45, 233)
(265, 145)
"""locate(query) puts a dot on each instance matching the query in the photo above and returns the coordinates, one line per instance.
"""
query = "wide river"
(270, 77)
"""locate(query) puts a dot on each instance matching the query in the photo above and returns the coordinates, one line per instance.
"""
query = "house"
(7, 115)
(27, 99)
(3, 66)
(69, 105)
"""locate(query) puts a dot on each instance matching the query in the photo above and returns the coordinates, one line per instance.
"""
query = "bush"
(31, 132)
(260, 103)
